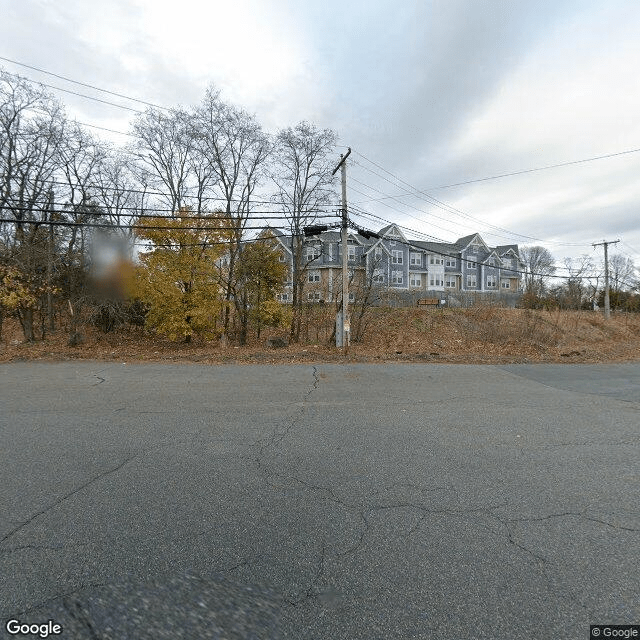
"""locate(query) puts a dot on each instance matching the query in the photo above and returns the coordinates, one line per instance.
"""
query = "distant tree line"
(581, 285)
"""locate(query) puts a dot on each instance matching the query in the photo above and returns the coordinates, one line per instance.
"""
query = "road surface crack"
(66, 496)
(276, 436)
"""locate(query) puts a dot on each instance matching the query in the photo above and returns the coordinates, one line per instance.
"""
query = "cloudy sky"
(435, 93)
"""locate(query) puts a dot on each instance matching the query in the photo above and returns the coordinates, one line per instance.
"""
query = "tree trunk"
(26, 320)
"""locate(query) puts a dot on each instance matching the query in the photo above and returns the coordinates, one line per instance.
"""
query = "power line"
(545, 168)
(61, 223)
(95, 126)
(450, 208)
(631, 248)
(398, 211)
(174, 215)
(98, 188)
(459, 257)
(84, 84)
(364, 213)
(75, 93)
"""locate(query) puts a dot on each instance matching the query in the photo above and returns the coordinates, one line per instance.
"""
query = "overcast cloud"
(435, 92)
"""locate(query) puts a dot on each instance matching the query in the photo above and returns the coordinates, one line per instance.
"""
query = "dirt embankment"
(476, 335)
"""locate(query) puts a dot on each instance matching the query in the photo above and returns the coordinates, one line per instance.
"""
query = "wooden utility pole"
(607, 306)
(342, 317)
(50, 262)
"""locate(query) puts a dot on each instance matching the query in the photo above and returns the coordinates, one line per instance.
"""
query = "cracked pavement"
(327, 501)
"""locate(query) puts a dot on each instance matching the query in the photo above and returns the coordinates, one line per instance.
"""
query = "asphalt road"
(372, 501)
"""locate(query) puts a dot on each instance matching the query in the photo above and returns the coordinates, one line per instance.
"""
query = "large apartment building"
(392, 261)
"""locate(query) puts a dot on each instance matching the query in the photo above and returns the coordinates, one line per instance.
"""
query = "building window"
(450, 283)
(507, 263)
(505, 284)
(450, 262)
(471, 262)
(436, 260)
(396, 257)
(314, 296)
(313, 253)
(377, 275)
(435, 281)
(351, 252)
(281, 257)
(378, 252)
(313, 276)
(415, 280)
(492, 282)
(472, 282)
(397, 277)
(415, 259)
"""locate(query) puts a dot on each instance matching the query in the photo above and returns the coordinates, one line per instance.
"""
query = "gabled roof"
(331, 236)
(284, 240)
(390, 231)
(375, 244)
(465, 241)
(506, 248)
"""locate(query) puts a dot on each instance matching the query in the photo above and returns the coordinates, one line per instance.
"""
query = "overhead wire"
(425, 196)
(433, 201)
(83, 84)
(258, 214)
(482, 263)
(449, 208)
(545, 168)
(66, 223)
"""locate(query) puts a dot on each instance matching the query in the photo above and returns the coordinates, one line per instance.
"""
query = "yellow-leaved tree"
(178, 275)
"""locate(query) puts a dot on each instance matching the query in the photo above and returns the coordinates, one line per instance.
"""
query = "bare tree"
(622, 272)
(32, 129)
(121, 195)
(234, 149)
(366, 296)
(539, 264)
(302, 175)
(576, 288)
(164, 147)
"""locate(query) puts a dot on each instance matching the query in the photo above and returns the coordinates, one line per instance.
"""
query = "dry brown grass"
(479, 334)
